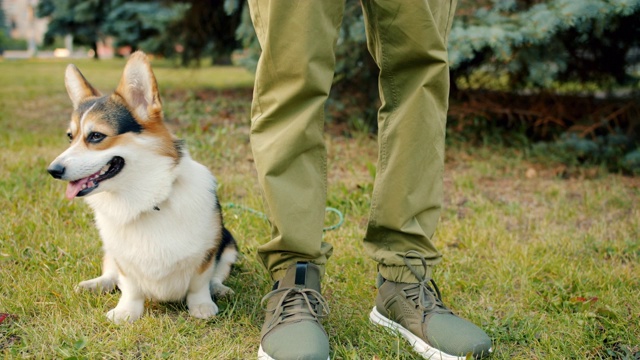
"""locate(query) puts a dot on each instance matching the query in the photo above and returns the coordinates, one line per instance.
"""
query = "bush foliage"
(550, 41)
(567, 70)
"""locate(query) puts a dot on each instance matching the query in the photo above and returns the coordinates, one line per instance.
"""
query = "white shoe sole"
(419, 345)
(264, 356)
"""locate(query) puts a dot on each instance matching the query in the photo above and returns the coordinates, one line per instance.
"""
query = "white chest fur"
(163, 247)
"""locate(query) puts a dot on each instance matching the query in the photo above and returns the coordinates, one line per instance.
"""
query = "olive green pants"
(407, 39)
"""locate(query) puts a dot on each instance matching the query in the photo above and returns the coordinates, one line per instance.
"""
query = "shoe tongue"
(430, 298)
(302, 275)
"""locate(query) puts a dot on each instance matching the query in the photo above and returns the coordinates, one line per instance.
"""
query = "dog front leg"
(131, 304)
(105, 283)
(199, 299)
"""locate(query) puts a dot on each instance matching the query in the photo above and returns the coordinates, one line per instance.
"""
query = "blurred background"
(555, 76)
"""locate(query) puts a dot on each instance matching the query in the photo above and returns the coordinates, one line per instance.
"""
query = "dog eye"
(95, 137)
(70, 136)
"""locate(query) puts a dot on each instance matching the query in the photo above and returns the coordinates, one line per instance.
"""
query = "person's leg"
(293, 79)
(408, 42)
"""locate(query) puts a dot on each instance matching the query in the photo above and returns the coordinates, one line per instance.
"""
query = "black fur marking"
(121, 119)
(126, 122)
(115, 114)
(227, 242)
(179, 146)
(207, 258)
(218, 206)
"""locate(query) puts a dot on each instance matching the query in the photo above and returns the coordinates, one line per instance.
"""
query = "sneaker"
(292, 328)
(416, 312)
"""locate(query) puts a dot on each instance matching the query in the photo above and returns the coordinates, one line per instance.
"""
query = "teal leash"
(340, 219)
(264, 216)
(247, 209)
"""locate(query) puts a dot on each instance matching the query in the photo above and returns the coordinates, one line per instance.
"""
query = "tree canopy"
(81, 18)
(189, 30)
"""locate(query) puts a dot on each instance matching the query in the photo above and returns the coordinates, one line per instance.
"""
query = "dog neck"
(142, 195)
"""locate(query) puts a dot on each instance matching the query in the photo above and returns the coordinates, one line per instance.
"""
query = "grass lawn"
(548, 266)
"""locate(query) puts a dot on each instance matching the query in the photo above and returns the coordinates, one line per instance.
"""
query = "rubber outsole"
(419, 345)
(264, 356)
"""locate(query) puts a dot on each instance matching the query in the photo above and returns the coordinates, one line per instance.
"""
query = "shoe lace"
(425, 294)
(296, 304)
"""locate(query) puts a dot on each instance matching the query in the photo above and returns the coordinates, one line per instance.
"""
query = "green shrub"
(616, 151)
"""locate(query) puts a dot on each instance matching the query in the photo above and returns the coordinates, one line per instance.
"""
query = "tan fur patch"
(155, 126)
(208, 259)
(166, 139)
(211, 253)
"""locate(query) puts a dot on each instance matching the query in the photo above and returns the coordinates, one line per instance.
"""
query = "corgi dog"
(156, 208)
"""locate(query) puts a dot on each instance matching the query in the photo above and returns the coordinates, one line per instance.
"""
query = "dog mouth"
(84, 186)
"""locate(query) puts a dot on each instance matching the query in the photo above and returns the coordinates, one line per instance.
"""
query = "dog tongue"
(74, 187)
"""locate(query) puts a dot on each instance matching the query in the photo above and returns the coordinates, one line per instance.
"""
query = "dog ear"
(77, 86)
(138, 87)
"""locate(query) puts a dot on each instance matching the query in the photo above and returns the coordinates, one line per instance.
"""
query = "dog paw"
(203, 311)
(120, 316)
(219, 290)
(99, 284)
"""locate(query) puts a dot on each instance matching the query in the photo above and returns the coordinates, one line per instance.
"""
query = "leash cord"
(264, 216)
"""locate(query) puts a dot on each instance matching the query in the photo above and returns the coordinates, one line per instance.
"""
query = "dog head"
(118, 142)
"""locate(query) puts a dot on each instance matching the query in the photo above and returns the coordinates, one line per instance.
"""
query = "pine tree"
(539, 45)
(538, 54)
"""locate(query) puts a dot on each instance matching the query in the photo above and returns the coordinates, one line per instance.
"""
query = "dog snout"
(56, 170)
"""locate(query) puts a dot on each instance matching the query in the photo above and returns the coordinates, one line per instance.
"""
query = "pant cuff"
(401, 274)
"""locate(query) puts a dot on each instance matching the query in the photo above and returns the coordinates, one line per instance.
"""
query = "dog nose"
(56, 170)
